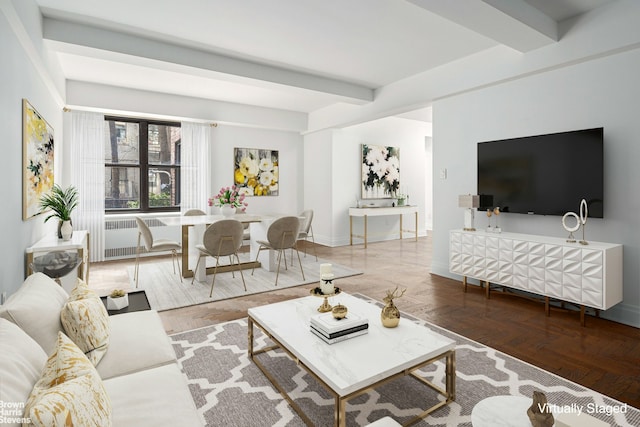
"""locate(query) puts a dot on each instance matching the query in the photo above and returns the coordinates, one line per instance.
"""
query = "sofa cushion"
(21, 362)
(35, 307)
(69, 392)
(137, 341)
(154, 397)
(86, 322)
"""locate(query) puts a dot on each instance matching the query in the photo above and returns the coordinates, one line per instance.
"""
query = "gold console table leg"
(350, 230)
(365, 232)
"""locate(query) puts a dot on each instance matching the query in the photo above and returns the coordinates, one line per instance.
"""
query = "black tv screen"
(543, 174)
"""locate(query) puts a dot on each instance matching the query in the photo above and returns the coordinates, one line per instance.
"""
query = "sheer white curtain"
(195, 167)
(86, 145)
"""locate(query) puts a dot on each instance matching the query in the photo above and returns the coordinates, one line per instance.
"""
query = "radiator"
(121, 236)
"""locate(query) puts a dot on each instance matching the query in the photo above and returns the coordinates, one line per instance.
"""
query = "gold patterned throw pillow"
(86, 322)
(70, 391)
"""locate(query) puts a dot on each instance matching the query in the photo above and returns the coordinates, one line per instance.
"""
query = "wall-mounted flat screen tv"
(543, 174)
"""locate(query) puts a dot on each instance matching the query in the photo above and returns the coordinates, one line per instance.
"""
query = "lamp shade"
(468, 201)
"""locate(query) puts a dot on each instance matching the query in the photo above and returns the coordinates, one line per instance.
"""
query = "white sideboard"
(586, 275)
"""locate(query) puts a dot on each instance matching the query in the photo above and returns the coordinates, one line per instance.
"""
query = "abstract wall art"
(37, 158)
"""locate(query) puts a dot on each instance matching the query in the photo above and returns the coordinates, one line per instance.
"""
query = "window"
(142, 165)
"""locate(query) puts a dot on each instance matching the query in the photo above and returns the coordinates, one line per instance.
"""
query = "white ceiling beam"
(513, 23)
(99, 42)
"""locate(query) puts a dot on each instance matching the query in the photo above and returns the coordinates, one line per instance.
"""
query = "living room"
(586, 79)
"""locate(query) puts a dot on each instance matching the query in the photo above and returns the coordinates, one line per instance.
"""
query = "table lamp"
(470, 202)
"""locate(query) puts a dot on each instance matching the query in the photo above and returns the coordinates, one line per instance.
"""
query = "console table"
(585, 275)
(381, 211)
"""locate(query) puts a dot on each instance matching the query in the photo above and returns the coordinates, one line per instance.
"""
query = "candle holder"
(325, 307)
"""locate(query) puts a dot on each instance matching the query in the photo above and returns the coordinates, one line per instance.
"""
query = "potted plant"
(117, 300)
(61, 202)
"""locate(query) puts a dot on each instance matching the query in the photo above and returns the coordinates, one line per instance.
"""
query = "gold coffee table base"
(449, 392)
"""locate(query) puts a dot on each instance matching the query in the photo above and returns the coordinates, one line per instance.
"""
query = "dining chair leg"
(195, 269)
(174, 261)
(300, 262)
(215, 271)
(279, 259)
(240, 270)
(257, 256)
(230, 264)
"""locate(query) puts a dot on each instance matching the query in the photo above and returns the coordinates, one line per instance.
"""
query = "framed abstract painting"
(380, 171)
(256, 171)
(37, 159)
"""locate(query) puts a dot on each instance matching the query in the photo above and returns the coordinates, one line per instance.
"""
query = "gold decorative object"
(584, 212)
(390, 314)
(496, 213)
(489, 213)
(539, 413)
(325, 307)
(339, 311)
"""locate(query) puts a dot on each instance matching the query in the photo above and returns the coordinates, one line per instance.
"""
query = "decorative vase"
(390, 315)
(66, 230)
(227, 211)
(117, 303)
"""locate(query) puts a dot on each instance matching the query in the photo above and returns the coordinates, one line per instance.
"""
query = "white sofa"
(139, 369)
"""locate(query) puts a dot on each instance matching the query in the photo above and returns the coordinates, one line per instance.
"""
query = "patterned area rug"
(229, 390)
(165, 291)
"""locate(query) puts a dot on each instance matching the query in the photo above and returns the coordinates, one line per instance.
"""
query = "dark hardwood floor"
(604, 355)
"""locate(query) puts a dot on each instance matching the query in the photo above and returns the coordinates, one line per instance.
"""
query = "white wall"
(333, 174)
(602, 92)
(289, 146)
(318, 183)
(21, 77)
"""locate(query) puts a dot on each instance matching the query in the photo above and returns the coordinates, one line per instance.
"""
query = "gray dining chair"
(282, 234)
(246, 236)
(155, 245)
(194, 212)
(306, 232)
(222, 238)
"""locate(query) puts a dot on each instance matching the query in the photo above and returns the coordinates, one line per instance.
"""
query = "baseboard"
(623, 313)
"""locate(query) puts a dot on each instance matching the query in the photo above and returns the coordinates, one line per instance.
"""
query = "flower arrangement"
(229, 196)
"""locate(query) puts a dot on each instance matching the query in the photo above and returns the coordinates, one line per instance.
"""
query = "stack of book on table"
(332, 330)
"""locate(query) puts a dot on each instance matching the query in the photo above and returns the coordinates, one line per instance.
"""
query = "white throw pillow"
(35, 307)
(21, 363)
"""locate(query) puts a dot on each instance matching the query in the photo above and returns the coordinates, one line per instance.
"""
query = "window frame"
(143, 166)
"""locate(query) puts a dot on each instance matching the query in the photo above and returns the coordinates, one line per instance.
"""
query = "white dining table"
(192, 231)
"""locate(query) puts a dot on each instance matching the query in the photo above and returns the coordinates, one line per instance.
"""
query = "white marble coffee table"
(351, 367)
